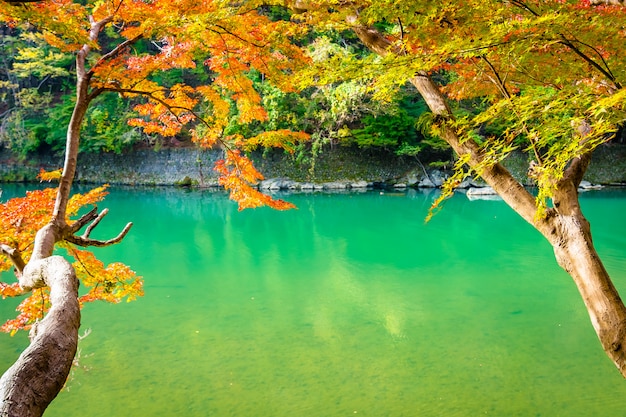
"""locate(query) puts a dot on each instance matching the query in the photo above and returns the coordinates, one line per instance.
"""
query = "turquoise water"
(350, 305)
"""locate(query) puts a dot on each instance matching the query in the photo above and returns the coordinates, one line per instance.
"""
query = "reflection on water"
(348, 305)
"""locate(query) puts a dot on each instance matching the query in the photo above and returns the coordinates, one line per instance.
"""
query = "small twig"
(95, 223)
(234, 35)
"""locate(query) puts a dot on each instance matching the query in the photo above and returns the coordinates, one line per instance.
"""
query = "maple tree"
(550, 72)
(30, 229)
(143, 39)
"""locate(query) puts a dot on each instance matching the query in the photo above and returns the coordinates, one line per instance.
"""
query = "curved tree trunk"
(35, 379)
(566, 229)
(564, 226)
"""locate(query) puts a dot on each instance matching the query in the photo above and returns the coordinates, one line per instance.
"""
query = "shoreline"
(335, 169)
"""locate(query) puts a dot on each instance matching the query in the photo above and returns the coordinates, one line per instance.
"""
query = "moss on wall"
(170, 166)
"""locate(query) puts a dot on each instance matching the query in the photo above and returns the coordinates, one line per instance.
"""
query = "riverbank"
(339, 168)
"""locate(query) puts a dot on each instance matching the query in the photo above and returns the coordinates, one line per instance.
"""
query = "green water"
(348, 306)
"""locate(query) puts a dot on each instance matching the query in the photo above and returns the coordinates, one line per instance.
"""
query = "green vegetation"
(38, 90)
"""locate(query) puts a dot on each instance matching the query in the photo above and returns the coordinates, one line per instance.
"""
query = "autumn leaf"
(50, 175)
(238, 176)
(21, 218)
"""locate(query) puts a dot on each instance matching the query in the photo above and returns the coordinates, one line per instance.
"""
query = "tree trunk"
(575, 253)
(569, 233)
(35, 379)
(565, 227)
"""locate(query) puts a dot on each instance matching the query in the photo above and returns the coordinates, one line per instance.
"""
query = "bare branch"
(78, 224)
(84, 241)
(95, 223)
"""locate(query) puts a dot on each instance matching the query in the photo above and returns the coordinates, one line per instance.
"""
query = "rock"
(412, 178)
(438, 178)
(359, 184)
(426, 183)
(478, 183)
(586, 186)
(482, 193)
(276, 184)
(185, 182)
(336, 185)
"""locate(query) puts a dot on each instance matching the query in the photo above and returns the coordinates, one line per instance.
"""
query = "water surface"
(350, 305)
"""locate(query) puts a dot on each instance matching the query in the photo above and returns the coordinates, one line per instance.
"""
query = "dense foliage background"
(37, 90)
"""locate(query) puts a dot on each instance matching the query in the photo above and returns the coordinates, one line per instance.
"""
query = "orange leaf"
(50, 175)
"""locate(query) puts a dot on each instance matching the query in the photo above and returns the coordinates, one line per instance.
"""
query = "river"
(349, 305)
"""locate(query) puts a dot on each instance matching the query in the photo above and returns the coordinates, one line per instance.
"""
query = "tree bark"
(35, 379)
(569, 232)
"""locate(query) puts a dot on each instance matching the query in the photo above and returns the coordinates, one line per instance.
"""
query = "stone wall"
(342, 167)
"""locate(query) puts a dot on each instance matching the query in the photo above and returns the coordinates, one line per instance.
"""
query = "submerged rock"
(482, 193)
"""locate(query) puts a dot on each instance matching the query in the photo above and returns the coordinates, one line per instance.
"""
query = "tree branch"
(15, 256)
(564, 41)
(80, 223)
(235, 36)
(499, 82)
(606, 72)
(95, 223)
(498, 177)
(86, 241)
(114, 52)
(577, 168)
(151, 95)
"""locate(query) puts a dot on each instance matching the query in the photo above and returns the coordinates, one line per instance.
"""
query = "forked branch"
(85, 240)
